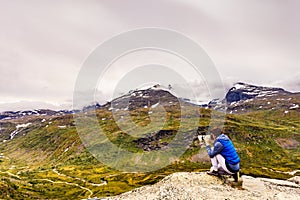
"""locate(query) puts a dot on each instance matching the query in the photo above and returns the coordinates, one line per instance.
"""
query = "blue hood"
(223, 137)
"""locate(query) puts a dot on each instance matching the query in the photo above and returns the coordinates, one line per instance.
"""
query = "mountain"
(8, 115)
(43, 157)
(144, 99)
(242, 91)
(244, 97)
(240, 98)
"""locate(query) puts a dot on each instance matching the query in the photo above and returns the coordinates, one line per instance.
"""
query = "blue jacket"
(223, 145)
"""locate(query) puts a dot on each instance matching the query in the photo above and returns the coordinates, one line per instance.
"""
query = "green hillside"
(47, 159)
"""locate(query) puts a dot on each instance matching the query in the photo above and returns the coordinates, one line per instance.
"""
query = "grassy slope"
(256, 133)
(50, 162)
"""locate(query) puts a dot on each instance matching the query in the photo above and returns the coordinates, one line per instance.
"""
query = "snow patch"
(195, 102)
(23, 125)
(248, 100)
(155, 105)
(15, 132)
(239, 86)
(294, 107)
(232, 103)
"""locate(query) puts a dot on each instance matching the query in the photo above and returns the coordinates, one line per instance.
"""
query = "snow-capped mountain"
(7, 115)
(241, 97)
(243, 91)
(144, 98)
(244, 97)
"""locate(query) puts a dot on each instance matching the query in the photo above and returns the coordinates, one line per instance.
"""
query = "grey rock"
(195, 186)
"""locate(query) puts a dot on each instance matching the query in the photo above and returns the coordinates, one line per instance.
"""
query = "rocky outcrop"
(152, 142)
(243, 91)
(242, 98)
(144, 99)
(195, 186)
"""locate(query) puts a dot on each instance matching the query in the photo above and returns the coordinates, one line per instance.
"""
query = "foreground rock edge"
(199, 185)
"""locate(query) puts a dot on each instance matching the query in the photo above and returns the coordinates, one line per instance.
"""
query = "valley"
(42, 155)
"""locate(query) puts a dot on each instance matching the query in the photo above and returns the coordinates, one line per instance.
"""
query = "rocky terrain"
(9, 115)
(242, 98)
(242, 91)
(195, 186)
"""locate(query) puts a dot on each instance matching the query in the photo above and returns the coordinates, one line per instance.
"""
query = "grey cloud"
(28, 105)
(44, 43)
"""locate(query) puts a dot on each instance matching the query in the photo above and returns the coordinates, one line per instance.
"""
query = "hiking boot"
(214, 173)
(221, 171)
(236, 177)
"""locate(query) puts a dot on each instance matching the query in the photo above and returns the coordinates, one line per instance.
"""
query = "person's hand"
(201, 141)
(207, 139)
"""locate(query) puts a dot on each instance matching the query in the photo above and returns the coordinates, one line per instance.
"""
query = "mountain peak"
(243, 97)
(143, 98)
(244, 91)
(240, 85)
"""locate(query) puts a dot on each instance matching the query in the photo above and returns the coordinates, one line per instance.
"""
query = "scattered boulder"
(295, 179)
(287, 143)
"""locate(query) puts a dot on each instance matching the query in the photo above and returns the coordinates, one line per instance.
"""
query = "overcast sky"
(43, 44)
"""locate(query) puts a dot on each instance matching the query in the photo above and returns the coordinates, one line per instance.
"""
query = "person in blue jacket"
(224, 157)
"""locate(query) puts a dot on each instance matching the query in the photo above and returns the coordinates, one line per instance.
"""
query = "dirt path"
(11, 174)
(67, 183)
(62, 182)
(80, 179)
